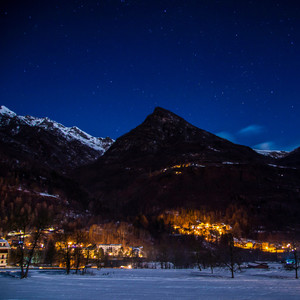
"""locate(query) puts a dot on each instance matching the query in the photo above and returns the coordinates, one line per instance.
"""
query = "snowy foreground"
(274, 283)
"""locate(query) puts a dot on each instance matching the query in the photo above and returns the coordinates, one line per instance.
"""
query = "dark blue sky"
(229, 67)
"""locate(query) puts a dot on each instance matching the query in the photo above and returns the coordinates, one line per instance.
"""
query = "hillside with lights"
(166, 163)
(163, 165)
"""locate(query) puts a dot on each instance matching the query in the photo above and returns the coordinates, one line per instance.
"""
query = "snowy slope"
(273, 284)
(69, 133)
(4, 111)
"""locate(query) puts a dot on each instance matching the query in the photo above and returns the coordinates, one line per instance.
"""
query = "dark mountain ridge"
(173, 140)
(163, 164)
(167, 163)
(292, 159)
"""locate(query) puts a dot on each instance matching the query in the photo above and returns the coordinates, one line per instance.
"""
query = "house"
(4, 249)
(137, 251)
(110, 249)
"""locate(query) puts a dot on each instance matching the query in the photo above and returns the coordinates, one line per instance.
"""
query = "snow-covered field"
(274, 283)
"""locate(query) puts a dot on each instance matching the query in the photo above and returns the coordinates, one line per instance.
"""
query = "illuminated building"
(4, 250)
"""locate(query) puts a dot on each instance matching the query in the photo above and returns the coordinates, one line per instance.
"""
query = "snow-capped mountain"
(70, 133)
(277, 154)
(48, 142)
(164, 163)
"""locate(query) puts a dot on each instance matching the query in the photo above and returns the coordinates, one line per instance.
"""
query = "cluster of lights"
(209, 231)
(177, 167)
(264, 246)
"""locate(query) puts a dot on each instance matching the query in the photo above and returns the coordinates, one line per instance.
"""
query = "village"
(213, 232)
(53, 249)
(56, 247)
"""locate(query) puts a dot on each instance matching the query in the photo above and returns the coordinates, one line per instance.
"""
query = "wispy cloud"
(251, 130)
(226, 135)
(265, 146)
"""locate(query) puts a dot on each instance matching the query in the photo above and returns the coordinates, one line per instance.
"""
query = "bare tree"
(80, 238)
(64, 244)
(30, 219)
(296, 263)
(228, 253)
(43, 217)
(210, 259)
(50, 252)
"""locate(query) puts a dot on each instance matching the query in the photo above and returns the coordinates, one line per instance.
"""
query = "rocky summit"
(171, 140)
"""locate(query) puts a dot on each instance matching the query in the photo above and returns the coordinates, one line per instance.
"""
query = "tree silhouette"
(229, 253)
(30, 219)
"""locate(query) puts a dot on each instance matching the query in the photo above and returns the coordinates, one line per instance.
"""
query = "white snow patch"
(70, 133)
(277, 166)
(48, 195)
(213, 149)
(7, 112)
(197, 165)
(272, 153)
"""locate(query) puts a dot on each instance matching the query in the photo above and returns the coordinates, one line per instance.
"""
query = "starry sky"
(229, 67)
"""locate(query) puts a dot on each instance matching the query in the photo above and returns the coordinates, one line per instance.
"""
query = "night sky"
(229, 67)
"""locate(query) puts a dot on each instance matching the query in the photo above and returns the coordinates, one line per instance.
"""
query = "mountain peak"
(36, 136)
(68, 133)
(166, 162)
(162, 111)
(5, 111)
(165, 116)
(164, 126)
(171, 140)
